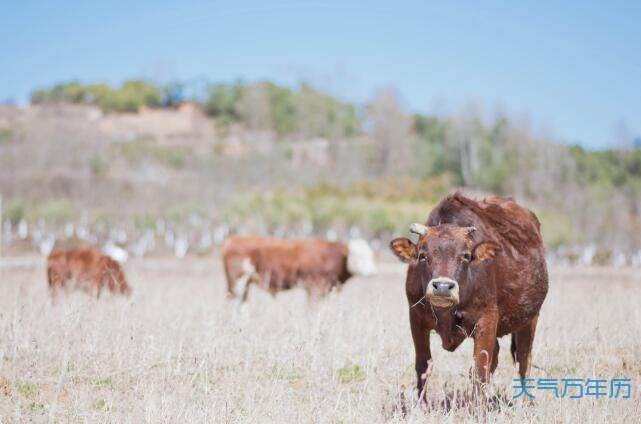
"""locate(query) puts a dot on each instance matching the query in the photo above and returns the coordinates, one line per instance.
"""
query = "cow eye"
(466, 257)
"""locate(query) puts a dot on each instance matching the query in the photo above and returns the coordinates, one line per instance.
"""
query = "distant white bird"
(121, 236)
(7, 235)
(169, 238)
(23, 229)
(69, 230)
(220, 233)
(181, 247)
(205, 240)
(150, 236)
(36, 234)
(46, 243)
(194, 220)
(587, 256)
(307, 227)
(82, 232)
(145, 244)
(619, 259)
(139, 248)
(160, 226)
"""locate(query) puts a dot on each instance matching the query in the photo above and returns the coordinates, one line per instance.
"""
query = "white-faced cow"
(278, 264)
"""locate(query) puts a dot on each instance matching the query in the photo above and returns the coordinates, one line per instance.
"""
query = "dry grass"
(178, 352)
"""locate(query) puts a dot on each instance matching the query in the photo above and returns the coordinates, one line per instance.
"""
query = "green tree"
(283, 109)
(221, 102)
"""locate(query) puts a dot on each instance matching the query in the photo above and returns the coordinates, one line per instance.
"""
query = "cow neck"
(444, 317)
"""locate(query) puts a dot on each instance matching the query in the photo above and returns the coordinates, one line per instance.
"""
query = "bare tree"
(465, 133)
(253, 107)
(390, 127)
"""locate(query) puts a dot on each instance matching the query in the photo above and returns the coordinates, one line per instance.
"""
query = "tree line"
(596, 194)
(302, 111)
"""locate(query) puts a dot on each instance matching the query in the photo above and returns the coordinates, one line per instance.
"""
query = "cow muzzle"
(442, 292)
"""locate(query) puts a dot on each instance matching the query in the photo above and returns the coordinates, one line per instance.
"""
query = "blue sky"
(572, 68)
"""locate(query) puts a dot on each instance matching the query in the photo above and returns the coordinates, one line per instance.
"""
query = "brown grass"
(178, 352)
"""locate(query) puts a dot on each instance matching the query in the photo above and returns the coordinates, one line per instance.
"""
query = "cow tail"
(513, 348)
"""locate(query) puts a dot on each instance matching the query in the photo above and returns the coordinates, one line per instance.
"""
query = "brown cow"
(277, 264)
(88, 268)
(478, 270)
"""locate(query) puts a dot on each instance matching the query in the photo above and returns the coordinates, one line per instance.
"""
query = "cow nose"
(442, 286)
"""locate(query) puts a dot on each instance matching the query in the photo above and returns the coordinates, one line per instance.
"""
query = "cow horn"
(419, 229)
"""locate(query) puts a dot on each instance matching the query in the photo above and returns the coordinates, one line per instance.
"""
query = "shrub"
(6, 135)
(221, 103)
(326, 208)
(130, 97)
(55, 211)
(15, 211)
(137, 151)
(98, 165)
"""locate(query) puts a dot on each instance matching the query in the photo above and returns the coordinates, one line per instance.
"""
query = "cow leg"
(56, 279)
(335, 287)
(311, 295)
(107, 280)
(245, 280)
(316, 289)
(242, 287)
(231, 281)
(110, 278)
(421, 337)
(484, 345)
(50, 279)
(95, 282)
(524, 339)
(253, 279)
(495, 358)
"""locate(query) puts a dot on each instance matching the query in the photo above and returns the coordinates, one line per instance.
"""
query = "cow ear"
(403, 248)
(485, 250)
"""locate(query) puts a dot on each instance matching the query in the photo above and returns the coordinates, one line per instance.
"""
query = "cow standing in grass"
(477, 270)
(278, 264)
(85, 269)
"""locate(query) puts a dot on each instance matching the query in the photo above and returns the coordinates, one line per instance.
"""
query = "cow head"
(360, 260)
(444, 257)
(114, 277)
(123, 286)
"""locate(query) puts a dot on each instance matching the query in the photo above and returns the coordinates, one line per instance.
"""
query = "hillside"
(297, 161)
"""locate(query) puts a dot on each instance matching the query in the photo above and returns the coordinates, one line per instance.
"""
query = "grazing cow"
(277, 264)
(88, 268)
(477, 270)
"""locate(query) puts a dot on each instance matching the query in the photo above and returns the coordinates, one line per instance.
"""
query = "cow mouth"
(442, 292)
(441, 301)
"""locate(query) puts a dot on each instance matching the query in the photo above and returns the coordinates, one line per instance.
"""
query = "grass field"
(177, 351)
